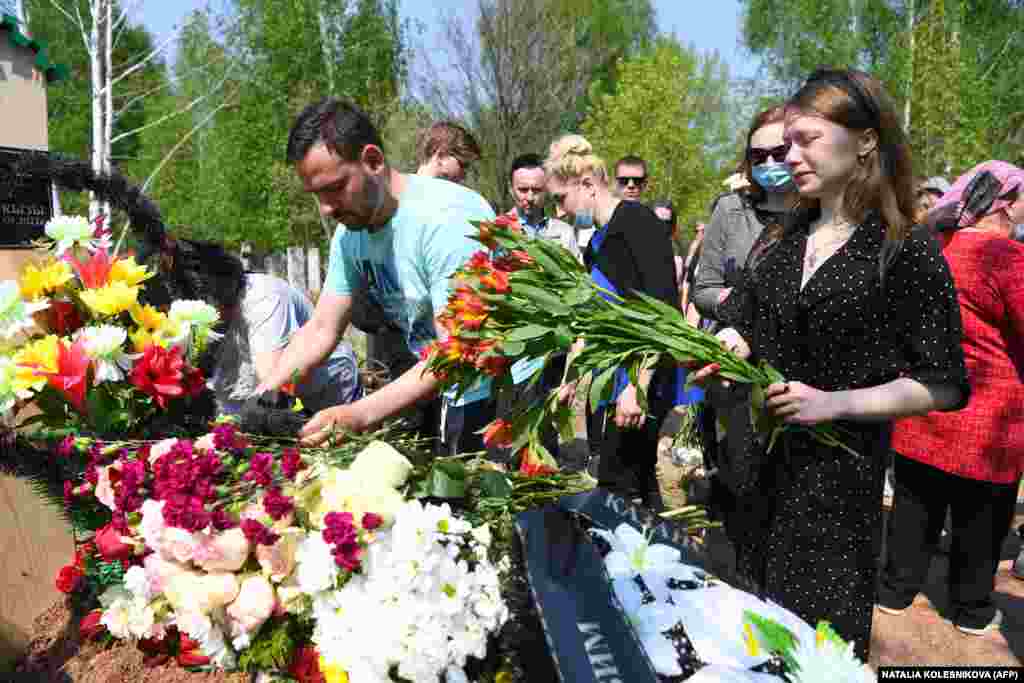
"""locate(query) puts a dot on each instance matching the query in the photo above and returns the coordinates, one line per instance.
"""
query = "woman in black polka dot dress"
(856, 308)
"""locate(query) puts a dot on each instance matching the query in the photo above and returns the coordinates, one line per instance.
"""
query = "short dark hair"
(339, 124)
(525, 161)
(448, 138)
(630, 160)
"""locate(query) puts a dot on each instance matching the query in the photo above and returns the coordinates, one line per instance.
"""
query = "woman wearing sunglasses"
(858, 312)
(739, 217)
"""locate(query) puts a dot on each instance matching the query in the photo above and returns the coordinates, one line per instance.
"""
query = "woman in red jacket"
(971, 462)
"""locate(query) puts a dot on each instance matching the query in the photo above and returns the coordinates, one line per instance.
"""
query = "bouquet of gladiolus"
(76, 341)
(229, 553)
(527, 298)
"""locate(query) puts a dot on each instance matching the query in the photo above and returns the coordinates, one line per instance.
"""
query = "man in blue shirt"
(403, 236)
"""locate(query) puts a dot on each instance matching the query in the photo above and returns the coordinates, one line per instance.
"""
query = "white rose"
(380, 462)
(225, 552)
(253, 606)
(201, 593)
(278, 560)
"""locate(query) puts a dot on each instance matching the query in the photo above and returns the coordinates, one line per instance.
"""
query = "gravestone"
(36, 542)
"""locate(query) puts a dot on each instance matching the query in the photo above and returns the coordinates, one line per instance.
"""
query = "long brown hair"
(884, 180)
(777, 114)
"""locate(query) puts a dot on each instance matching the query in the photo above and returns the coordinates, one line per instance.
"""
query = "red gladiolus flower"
(533, 465)
(305, 667)
(480, 261)
(496, 280)
(513, 261)
(94, 272)
(62, 318)
(90, 627)
(110, 546)
(507, 222)
(72, 368)
(159, 373)
(498, 434)
(68, 578)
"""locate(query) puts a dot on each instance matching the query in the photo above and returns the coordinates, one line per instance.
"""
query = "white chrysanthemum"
(16, 314)
(71, 231)
(825, 661)
(105, 345)
(127, 618)
(137, 583)
(316, 570)
(194, 312)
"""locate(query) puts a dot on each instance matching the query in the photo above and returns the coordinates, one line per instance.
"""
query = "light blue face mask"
(773, 177)
(584, 219)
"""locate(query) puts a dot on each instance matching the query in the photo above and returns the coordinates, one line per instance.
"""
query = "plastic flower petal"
(8, 392)
(633, 555)
(714, 619)
(34, 361)
(827, 660)
(70, 231)
(650, 622)
(70, 377)
(193, 312)
(15, 314)
(114, 298)
(43, 280)
(105, 346)
(148, 317)
(126, 270)
(159, 372)
(94, 272)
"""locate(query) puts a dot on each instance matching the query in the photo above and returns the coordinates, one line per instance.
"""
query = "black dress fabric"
(636, 256)
(811, 526)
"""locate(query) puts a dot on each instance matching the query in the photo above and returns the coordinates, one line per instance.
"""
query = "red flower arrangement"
(163, 374)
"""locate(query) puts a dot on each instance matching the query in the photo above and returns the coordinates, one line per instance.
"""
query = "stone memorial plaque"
(25, 203)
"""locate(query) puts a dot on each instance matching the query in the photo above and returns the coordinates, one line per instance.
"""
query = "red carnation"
(189, 653)
(90, 626)
(68, 578)
(159, 373)
(305, 667)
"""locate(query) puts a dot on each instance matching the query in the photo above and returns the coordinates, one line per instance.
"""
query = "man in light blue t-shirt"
(404, 237)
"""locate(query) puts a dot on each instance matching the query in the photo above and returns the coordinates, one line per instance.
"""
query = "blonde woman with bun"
(629, 252)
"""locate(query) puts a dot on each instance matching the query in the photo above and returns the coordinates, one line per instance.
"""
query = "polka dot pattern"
(820, 518)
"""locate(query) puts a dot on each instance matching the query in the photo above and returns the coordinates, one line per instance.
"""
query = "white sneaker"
(993, 625)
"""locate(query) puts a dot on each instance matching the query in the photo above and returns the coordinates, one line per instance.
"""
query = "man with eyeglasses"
(631, 177)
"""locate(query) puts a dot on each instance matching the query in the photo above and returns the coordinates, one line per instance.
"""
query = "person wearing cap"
(969, 465)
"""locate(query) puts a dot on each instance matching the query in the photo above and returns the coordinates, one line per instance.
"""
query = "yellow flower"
(34, 359)
(38, 281)
(112, 299)
(126, 270)
(333, 673)
(168, 332)
(147, 317)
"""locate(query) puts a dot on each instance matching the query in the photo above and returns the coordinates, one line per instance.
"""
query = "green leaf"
(598, 388)
(495, 484)
(447, 479)
(774, 637)
(526, 332)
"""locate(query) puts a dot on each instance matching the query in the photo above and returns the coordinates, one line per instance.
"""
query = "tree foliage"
(669, 106)
(952, 66)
